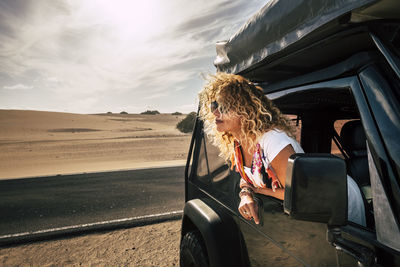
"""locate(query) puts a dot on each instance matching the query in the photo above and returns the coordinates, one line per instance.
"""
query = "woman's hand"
(248, 208)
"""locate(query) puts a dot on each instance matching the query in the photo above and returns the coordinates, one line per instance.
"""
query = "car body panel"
(352, 73)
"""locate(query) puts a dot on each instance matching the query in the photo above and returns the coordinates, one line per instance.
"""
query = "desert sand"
(37, 143)
(151, 245)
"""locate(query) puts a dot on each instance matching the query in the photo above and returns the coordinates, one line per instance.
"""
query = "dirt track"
(152, 245)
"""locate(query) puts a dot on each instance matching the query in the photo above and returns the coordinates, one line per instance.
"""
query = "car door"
(379, 103)
(376, 96)
(303, 241)
(222, 185)
(278, 240)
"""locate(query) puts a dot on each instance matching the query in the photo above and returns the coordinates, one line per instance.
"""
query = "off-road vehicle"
(334, 68)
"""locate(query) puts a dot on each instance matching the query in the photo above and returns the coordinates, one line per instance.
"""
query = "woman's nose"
(216, 112)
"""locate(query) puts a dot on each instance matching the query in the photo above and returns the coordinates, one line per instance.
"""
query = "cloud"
(53, 79)
(188, 108)
(216, 20)
(92, 53)
(17, 87)
(214, 16)
(156, 95)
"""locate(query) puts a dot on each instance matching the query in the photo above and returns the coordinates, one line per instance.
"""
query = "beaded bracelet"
(246, 191)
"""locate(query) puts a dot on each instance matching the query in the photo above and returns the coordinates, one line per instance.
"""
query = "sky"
(97, 56)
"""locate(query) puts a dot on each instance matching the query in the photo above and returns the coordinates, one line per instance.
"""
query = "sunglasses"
(214, 106)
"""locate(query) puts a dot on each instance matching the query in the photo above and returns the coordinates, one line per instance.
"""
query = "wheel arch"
(219, 232)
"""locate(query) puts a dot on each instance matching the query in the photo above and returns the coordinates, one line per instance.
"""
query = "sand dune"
(34, 143)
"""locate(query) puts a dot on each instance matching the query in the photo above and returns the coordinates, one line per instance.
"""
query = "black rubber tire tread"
(193, 252)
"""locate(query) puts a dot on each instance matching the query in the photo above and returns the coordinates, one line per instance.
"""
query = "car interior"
(354, 144)
(317, 114)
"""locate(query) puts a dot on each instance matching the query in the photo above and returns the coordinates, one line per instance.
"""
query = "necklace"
(258, 160)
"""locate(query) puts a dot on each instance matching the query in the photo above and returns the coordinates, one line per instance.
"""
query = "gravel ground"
(151, 245)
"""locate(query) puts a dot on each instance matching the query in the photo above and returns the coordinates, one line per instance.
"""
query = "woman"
(251, 133)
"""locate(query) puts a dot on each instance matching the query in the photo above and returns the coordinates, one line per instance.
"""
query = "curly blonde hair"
(241, 97)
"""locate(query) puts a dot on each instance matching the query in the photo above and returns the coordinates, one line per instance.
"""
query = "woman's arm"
(247, 207)
(279, 192)
(279, 164)
(244, 183)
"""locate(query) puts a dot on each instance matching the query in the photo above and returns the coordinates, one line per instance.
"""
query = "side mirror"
(316, 189)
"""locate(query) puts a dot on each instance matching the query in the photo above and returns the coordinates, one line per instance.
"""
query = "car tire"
(193, 252)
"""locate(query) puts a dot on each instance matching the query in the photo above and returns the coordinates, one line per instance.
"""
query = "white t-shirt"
(272, 142)
(355, 209)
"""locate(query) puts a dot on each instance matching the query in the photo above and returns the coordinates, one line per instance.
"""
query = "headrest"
(353, 138)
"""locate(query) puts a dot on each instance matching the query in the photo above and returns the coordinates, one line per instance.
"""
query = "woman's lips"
(218, 121)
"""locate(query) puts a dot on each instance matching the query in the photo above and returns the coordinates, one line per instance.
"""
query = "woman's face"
(227, 121)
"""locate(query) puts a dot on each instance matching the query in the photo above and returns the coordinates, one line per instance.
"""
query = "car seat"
(353, 141)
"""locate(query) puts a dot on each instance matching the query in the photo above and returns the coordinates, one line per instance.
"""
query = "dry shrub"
(187, 124)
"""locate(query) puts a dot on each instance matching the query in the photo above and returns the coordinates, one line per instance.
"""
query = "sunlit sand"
(37, 143)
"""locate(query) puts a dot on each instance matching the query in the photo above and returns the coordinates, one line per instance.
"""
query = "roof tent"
(291, 38)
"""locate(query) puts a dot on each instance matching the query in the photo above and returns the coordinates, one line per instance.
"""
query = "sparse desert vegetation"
(150, 112)
(186, 125)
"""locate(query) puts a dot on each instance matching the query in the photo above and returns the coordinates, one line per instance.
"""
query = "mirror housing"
(316, 188)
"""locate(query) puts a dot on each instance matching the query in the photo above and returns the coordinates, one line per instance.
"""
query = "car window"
(202, 163)
(295, 123)
(338, 127)
(217, 165)
(357, 165)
